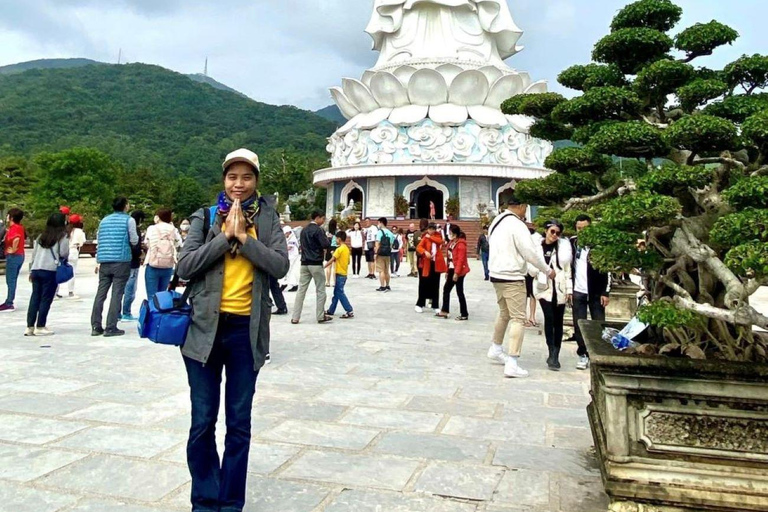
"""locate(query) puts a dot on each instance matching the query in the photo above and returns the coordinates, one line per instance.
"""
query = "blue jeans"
(484, 256)
(221, 487)
(130, 291)
(340, 296)
(13, 264)
(43, 290)
(157, 280)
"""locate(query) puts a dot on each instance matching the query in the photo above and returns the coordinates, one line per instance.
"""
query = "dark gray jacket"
(202, 263)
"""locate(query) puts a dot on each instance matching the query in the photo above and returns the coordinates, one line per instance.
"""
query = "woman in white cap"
(228, 257)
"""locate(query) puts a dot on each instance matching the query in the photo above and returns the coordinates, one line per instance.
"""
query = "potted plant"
(401, 206)
(453, 207)
(674, 155)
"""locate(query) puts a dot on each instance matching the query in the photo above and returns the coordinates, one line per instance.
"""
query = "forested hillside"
(147, 115)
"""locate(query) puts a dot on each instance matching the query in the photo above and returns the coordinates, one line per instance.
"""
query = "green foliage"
(512, 106)
(755, 128)
(288, 172)
(662, 78)
(703, 38)
(661, 15)
(453, 207)
(186, 196)
(702, 133)
(749, 260)
(401, 204)
(632, 48)
(598, 104)
(577, 159)
(748, 192)
(664, 314)
(583, 78)
(148, 116)
(540, 105)
(615, 250)
(74, 175)
(669, 178)
(583, 134)
(749, 224)
(749, 72)
(639, 211)
(633, 139)
(16, 181)
(555, 188)
(550, 130)
(568, 218)
(738, 108)
(699, 92)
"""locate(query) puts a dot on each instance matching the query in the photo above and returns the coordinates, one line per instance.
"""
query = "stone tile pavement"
(389, 412)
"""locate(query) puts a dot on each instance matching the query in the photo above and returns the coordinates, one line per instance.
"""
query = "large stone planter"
(679, 432)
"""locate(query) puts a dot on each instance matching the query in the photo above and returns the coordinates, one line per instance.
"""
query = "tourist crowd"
(236, 254)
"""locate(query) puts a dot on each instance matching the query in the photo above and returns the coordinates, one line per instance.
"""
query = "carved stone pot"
(679, 432)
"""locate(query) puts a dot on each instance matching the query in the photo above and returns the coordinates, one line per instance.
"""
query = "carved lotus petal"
(521, 124)
(448, 114)
(427, 87)
(359, 95)
(410, 114)
(487, 116)
(492, 73)
(526, 79)
(469, 88)
(505, 87)
(537, 87)
(372, 119)
(388, 90)
(367, 77)
(404, 73)
(449, 72)
(347, 108)
(351, 125)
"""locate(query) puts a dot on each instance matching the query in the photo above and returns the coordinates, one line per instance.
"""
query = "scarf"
(250, 209)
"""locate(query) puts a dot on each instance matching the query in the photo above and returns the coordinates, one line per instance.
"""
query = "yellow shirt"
(342, 260)
(237, 293)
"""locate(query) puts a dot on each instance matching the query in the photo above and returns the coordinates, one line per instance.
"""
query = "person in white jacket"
(554, 294)
(291, 279)
(513, 255)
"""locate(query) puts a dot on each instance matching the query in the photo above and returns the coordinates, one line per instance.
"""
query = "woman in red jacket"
(432, 264)
(458, 268)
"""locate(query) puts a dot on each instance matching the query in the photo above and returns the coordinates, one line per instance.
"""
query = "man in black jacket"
(591, 290)
(314, 242)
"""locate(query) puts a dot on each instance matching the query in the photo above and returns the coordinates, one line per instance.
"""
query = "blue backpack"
(166, 319)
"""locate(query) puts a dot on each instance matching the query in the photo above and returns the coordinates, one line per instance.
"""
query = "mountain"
(205, 79)
(46, 64)
(332, 113)
(148, 115)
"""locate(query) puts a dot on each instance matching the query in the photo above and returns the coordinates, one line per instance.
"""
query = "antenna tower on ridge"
(205, 71)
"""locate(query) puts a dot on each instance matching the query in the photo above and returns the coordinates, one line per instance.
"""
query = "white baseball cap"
(242, 155)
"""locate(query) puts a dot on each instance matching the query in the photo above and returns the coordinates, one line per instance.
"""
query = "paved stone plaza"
(389, 412)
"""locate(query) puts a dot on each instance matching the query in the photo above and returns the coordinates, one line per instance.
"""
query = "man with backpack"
(383, 249)
(117, 235)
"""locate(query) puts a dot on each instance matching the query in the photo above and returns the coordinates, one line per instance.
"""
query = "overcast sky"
(292, 51)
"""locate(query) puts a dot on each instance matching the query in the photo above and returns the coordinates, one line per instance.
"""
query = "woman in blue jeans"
(162, 241)
(15, 239)
(50, 248)
(228, 267)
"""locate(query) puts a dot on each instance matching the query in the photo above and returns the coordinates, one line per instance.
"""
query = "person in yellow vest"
(228, 263)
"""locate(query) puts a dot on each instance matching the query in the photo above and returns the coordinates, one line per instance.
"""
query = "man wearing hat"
(512, 250)
(228, 258)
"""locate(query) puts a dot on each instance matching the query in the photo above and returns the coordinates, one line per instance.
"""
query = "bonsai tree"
(453, 207)
(401, 205)
(674, 155)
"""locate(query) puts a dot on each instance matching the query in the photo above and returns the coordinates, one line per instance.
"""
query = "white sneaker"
(583, 363)
(29, 332)
(513, 370)
(496, 354)
(438, 311)
(418, 309)
(43, 331)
